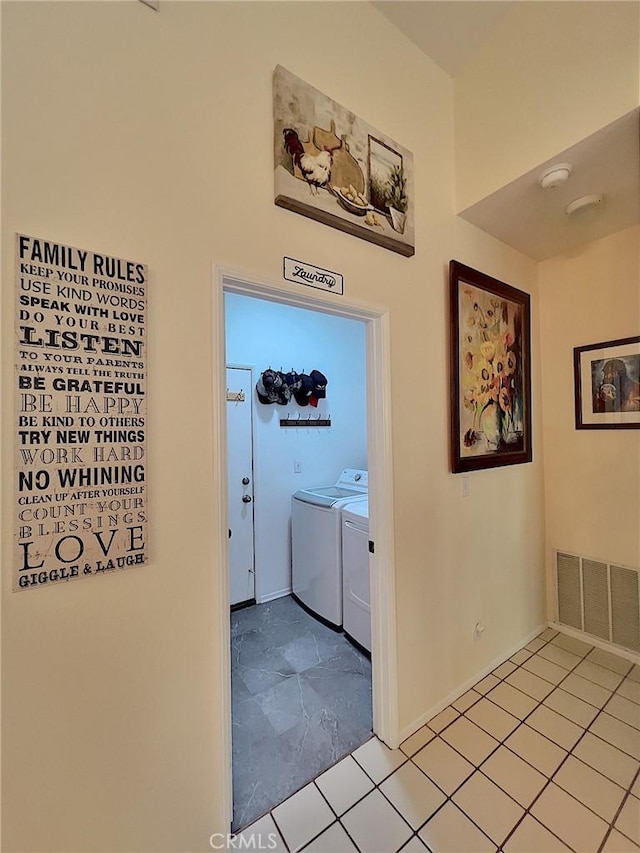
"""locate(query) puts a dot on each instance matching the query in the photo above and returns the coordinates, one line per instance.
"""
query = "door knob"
(246, 499)
(245, 481)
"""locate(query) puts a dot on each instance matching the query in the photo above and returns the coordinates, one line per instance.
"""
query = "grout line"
(477, 767)
(315, 782)
(558, 686)
(527, 813)
(568, 752)
(333, 822)
(564, 760)
(585, 729)
(527, 809)
(280, 832)
(393, 805)
(349, 836)
(612, 825)
(338, 820)
(449, 799)
(522, 722)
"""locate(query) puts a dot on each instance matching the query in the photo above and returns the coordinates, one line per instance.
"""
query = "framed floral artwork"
(607, 384)
(490, 371)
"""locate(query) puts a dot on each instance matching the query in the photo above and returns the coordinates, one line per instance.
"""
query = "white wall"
(264, 334)
(149, 136)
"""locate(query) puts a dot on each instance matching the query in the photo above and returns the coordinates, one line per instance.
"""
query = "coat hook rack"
(306, 422)
(236, 396)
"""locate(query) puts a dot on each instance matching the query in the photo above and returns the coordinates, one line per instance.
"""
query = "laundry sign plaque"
(303, 273)
(80, 413)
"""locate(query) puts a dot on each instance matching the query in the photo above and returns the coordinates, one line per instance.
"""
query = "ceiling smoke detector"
(582, 203)
(555, 175)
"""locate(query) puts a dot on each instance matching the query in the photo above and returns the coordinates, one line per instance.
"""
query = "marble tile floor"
(541, 756)
(301, 701)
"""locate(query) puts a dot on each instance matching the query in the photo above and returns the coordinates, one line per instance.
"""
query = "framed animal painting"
(607, 384)
(490, 381)
(333, 167)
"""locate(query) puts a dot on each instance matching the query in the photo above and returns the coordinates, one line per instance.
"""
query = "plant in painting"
(491, 372)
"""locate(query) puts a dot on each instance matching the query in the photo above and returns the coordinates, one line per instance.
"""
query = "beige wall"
(148, 136)
(592, 477)
(463, 559)
(550, 74)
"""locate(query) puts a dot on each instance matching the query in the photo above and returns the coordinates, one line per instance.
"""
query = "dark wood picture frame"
(490, 371)
(607, 384)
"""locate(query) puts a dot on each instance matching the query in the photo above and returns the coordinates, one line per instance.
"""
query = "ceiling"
(448, 31)
(522, 214)
(533, 220)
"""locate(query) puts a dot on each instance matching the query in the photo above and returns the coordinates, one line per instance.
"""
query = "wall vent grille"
(569, 591)
(599, 598)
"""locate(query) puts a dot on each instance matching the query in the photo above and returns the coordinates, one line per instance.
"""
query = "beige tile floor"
(542, 755)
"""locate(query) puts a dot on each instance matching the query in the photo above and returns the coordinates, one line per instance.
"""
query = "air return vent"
(569, 591)
(601, 599)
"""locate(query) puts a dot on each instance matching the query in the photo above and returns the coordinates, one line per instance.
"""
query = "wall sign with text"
(303, 273)
(80, 414)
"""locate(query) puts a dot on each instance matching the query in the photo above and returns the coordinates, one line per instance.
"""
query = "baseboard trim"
(271, 596)
(321, 619)
(241, 605)
(468, 684)
(599, 643)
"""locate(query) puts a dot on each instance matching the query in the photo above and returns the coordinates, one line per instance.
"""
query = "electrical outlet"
(297, 467)
(478, 631)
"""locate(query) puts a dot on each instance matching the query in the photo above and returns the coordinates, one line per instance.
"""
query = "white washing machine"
(316, 542)
(356, 585)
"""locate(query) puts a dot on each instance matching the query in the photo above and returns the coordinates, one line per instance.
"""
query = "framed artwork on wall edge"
(490, 371)
(607, 384)
(332, 166)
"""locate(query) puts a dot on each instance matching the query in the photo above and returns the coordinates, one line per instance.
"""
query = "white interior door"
(240, 484)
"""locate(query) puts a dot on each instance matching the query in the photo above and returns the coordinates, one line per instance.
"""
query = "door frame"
(379, 459)
(252, 373)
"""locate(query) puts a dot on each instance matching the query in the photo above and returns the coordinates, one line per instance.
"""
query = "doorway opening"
(272, 591)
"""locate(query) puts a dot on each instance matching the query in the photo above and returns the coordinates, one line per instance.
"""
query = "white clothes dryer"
(316, 543)
(356, 583)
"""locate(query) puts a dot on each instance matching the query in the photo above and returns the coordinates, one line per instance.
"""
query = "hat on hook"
(302, 395)
(271, 388)
(319, 390)
(293, 381)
